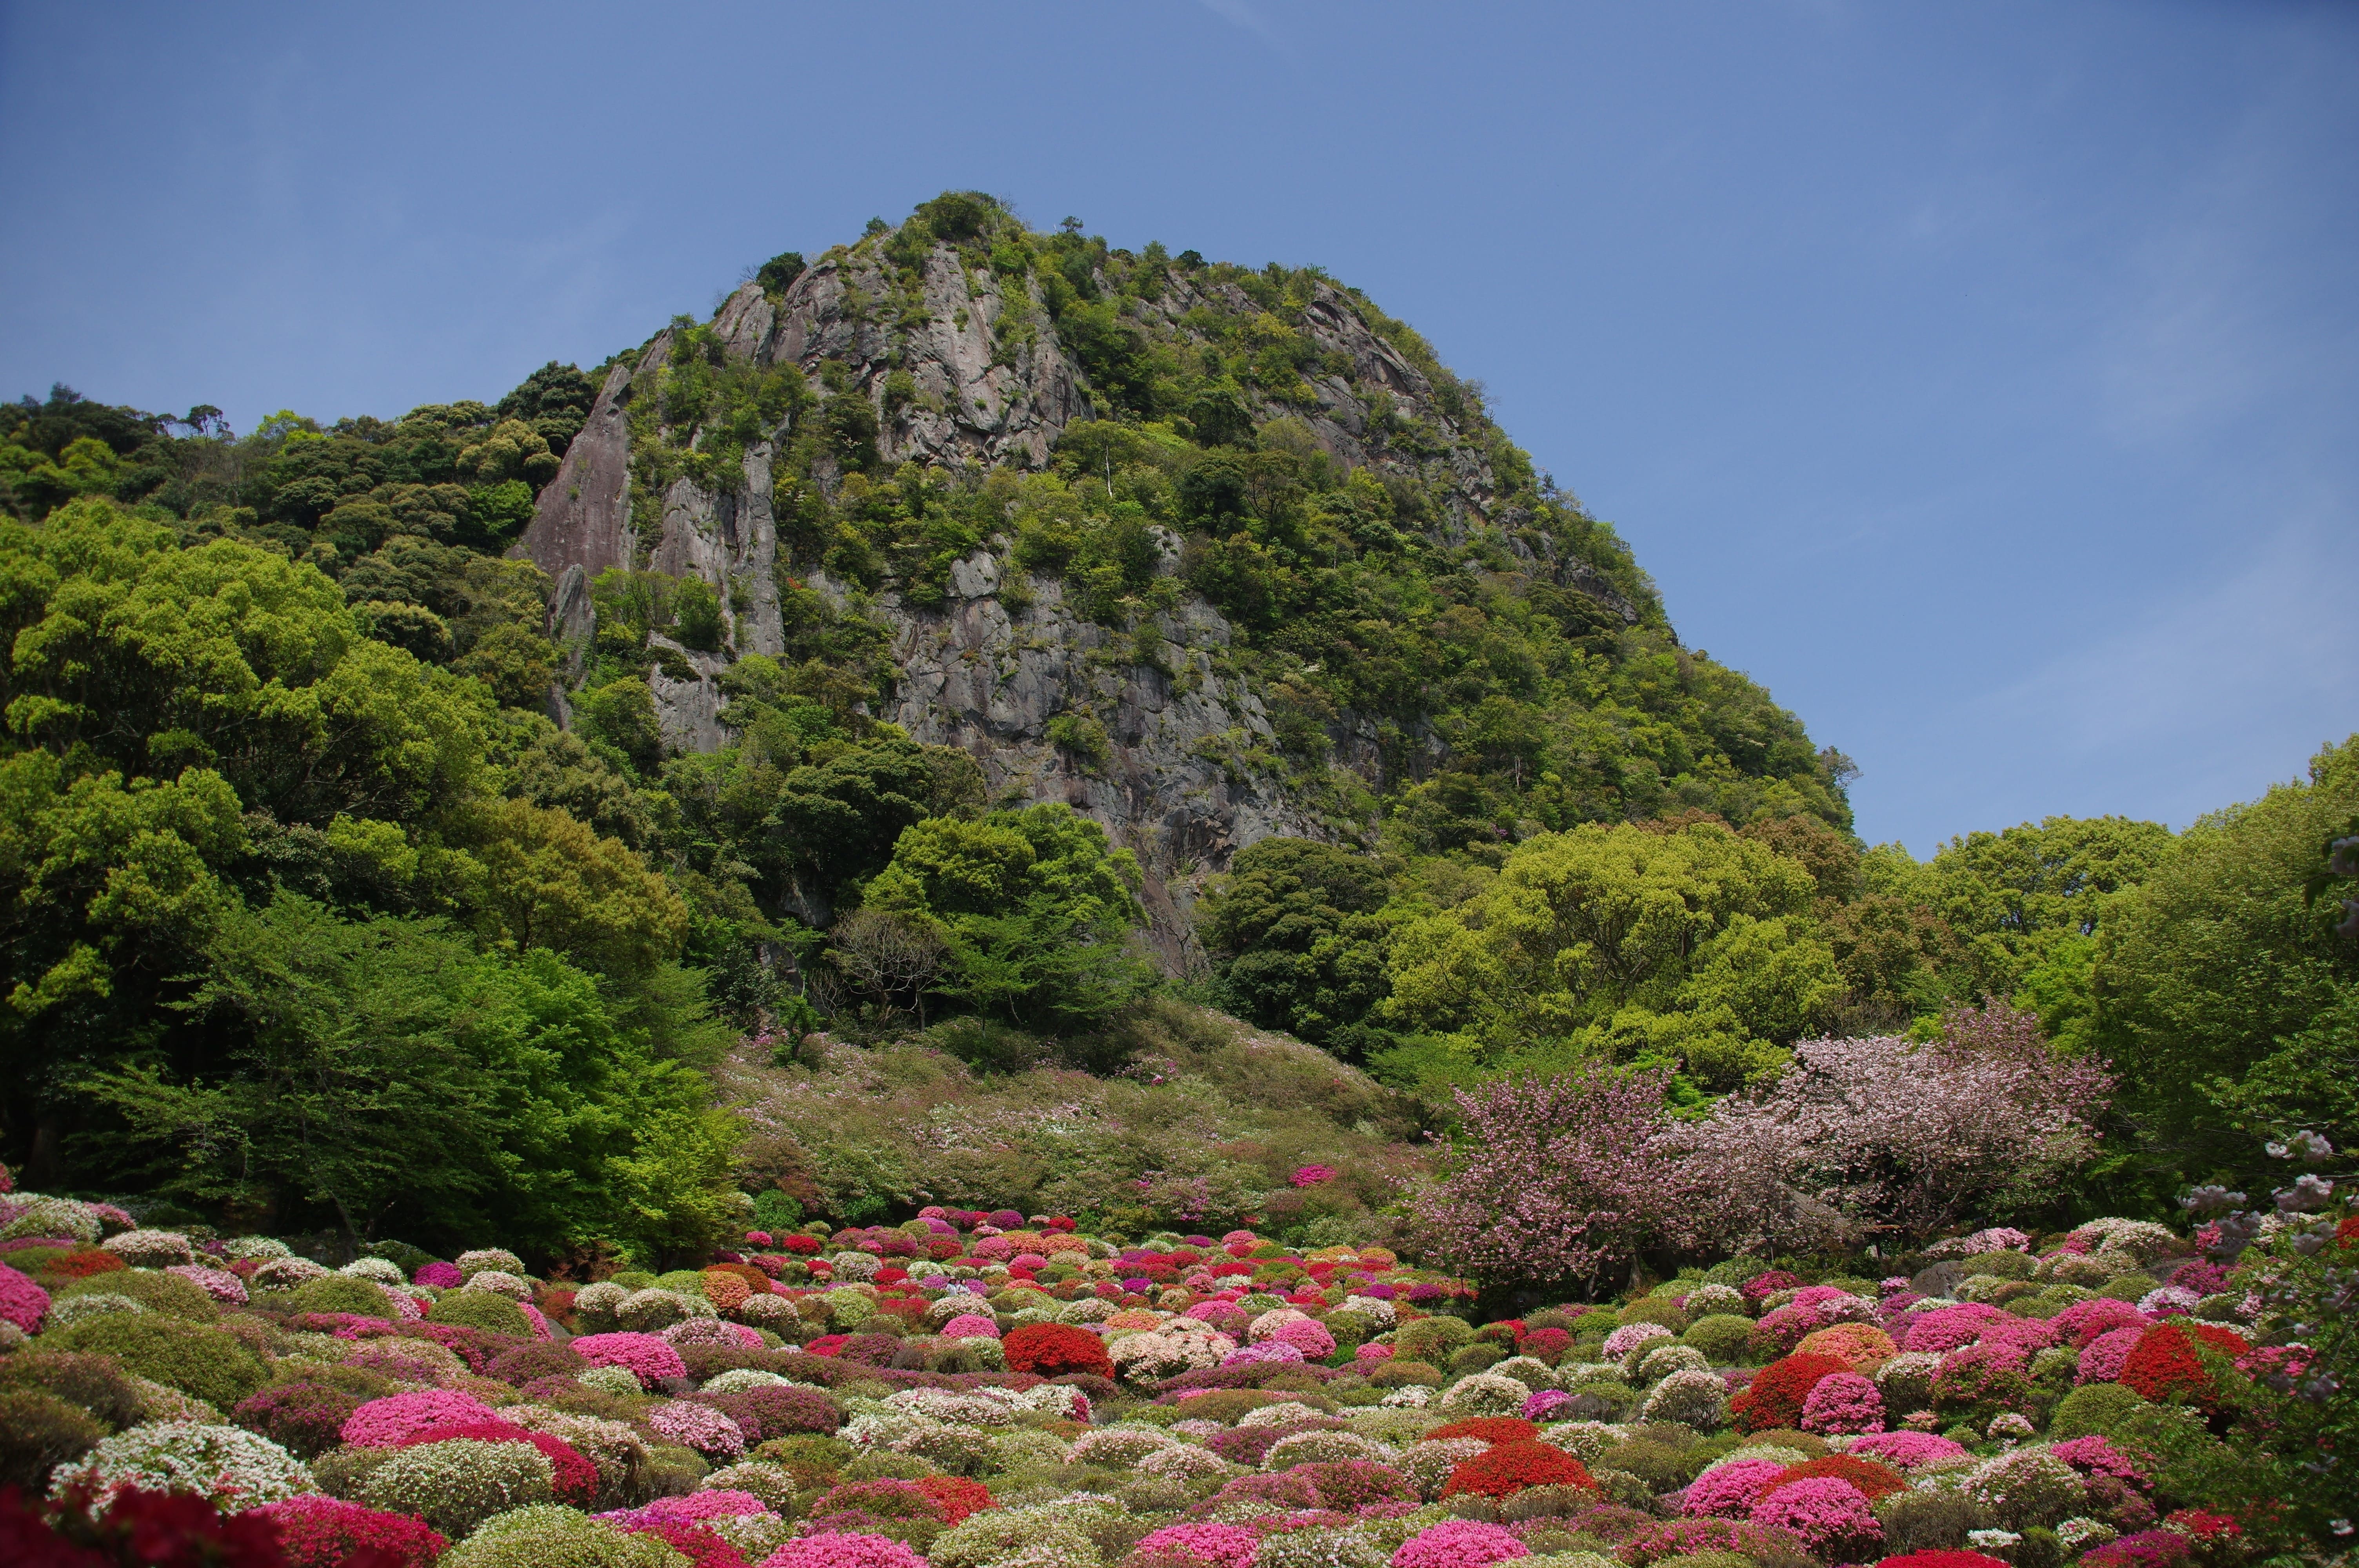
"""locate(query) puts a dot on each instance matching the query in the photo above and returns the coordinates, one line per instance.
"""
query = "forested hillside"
(979, 637)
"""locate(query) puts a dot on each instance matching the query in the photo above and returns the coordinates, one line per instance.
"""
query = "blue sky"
(1984, 380)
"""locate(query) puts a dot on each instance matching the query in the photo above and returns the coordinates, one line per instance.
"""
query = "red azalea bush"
(1507, 1468)
(1874, 1481)
(958, 1496)
(137, 1529)
(1775, 1397)
(327, 1532)
(1489, 1428)
(305, 1419)
(1054, 1349)
(1940, 1559)
(2165, 1367)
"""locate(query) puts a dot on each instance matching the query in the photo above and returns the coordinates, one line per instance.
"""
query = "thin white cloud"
(2224, 685)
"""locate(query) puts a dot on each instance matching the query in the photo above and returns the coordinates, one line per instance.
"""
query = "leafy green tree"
(1297, 939)
(385, 1070)
(2014, 897)
(1036, 911)
(1692, 942)
(2206, 966)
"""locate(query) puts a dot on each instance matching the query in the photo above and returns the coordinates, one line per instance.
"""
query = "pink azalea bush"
(700, 1427)
(218, 1283)
(1827, 1515)
(1458, 1543)
(393, 1420)
(1219, 1545)
(22, 1302)
(646, 1356)
(1844, 1402)
(2102, 1359)
(831, 1550)
(1906, 1450)
(1727, 1491)
(968, 1325)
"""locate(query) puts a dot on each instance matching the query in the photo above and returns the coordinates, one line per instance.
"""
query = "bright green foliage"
(1295, 925)
(1692, 942)
(2214, 977)
(1034, 908)
(2020, 898)
(204, 1363)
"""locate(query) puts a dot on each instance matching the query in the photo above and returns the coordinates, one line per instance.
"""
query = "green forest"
(317, 917)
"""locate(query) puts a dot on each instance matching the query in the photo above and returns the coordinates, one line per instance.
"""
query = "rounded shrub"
(544, 1536)
(456, 1485)
(478, 1309)
(200, 1362)
(1721, 1338)
(340, 1293)
(168, 1294)
(327, 1532)
(1432, 1339)
(230, 1467)
(39, 1432)
(94, 1383)
(2093, 1410)
(305, 1419)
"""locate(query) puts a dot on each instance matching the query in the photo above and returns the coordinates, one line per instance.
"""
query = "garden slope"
(1210, 1120)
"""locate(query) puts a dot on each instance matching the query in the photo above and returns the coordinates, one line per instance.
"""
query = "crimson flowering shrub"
(305, 1419)
(2146, 1549)
(1778, 1392)
(958, 1496)
(329, 1532)
(1055, 1349)
(2165, 1367)
(1874, 1481)
(135, 1528)
(1489, 1428)
(1945, 1559)
(1507, 1468)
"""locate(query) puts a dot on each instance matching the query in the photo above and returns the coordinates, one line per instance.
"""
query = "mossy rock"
(342, 1293)
(153, 1289)
(201, 1362)
(480, 1309)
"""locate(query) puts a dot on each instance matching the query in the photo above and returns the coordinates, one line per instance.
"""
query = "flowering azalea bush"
(973, 1390)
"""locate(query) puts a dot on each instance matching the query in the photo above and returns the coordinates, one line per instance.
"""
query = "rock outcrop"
(988, 669)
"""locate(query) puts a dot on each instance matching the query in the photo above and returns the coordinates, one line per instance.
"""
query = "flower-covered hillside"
(1190, 1120)
(989, 1389)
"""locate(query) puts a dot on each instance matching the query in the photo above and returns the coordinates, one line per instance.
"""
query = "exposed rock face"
(976, 674)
